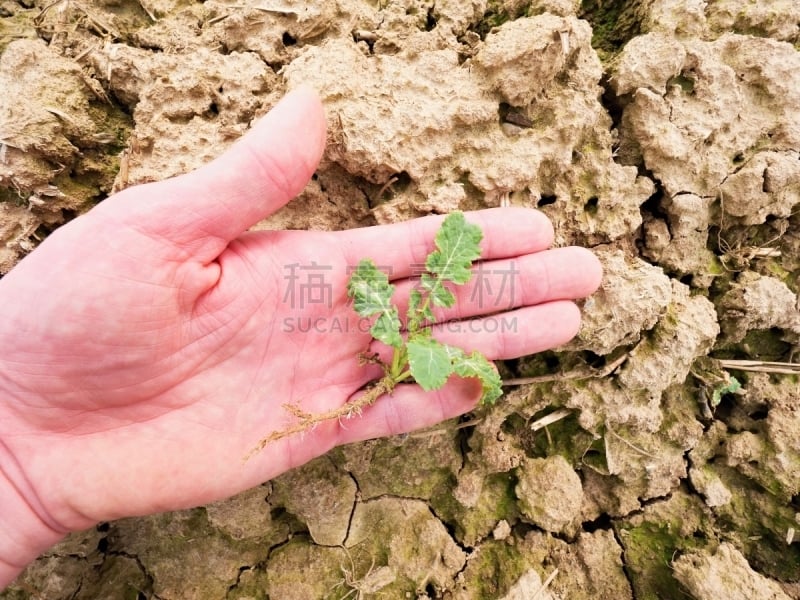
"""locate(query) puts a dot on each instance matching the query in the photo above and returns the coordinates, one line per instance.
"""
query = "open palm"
(149, 345)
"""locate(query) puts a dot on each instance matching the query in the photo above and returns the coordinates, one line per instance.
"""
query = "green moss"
(685, 83)
(649, 550)
(613, 23)
(252, 585)
(757, 522)
(182, 553)
(496, 14)
(13, 196)
(94, 176)
(89, 182)
(680, 411)
(119, 576)
(411, 467)
(493, 569)
(497, 501)
(543, 363)
(764, 344)
(715, 267)
(652, 540)
(758, 469)
(773, 268)
(299, 570)
(89, 178)
(565, 437)
(16, 27)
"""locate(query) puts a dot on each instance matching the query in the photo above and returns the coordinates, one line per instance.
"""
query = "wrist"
(26, 530)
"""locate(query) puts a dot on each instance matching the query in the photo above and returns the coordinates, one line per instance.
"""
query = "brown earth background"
(655, 457)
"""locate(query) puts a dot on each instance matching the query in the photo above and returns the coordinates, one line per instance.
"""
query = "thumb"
(204, 210)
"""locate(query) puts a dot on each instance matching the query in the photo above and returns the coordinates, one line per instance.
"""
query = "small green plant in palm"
(419, 356)
(415, 353)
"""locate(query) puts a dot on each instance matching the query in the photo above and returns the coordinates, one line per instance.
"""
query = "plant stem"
(396, 358)
(403, 376)
(415, 320)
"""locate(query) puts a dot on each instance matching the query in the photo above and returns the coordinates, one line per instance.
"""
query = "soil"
(664, 135)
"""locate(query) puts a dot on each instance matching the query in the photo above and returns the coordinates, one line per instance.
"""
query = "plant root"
(307, 421)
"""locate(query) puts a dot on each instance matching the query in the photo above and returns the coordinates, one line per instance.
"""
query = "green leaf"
(370, 289)
(477, 365)
(429, 362)
(371, 292)
(457, 247)
(440, 295)
(387, 330)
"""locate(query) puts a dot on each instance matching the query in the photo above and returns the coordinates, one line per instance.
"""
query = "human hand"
(147, 346)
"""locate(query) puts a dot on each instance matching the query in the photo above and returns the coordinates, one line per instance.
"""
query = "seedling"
(420, 356)
(416, 354)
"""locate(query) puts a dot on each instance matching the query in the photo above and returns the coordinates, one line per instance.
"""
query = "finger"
(204, 210)
(558, 274)
(403, 247)
(514, 333)
(408, 408)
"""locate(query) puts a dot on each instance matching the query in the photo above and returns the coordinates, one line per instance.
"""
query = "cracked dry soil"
(664, 134)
